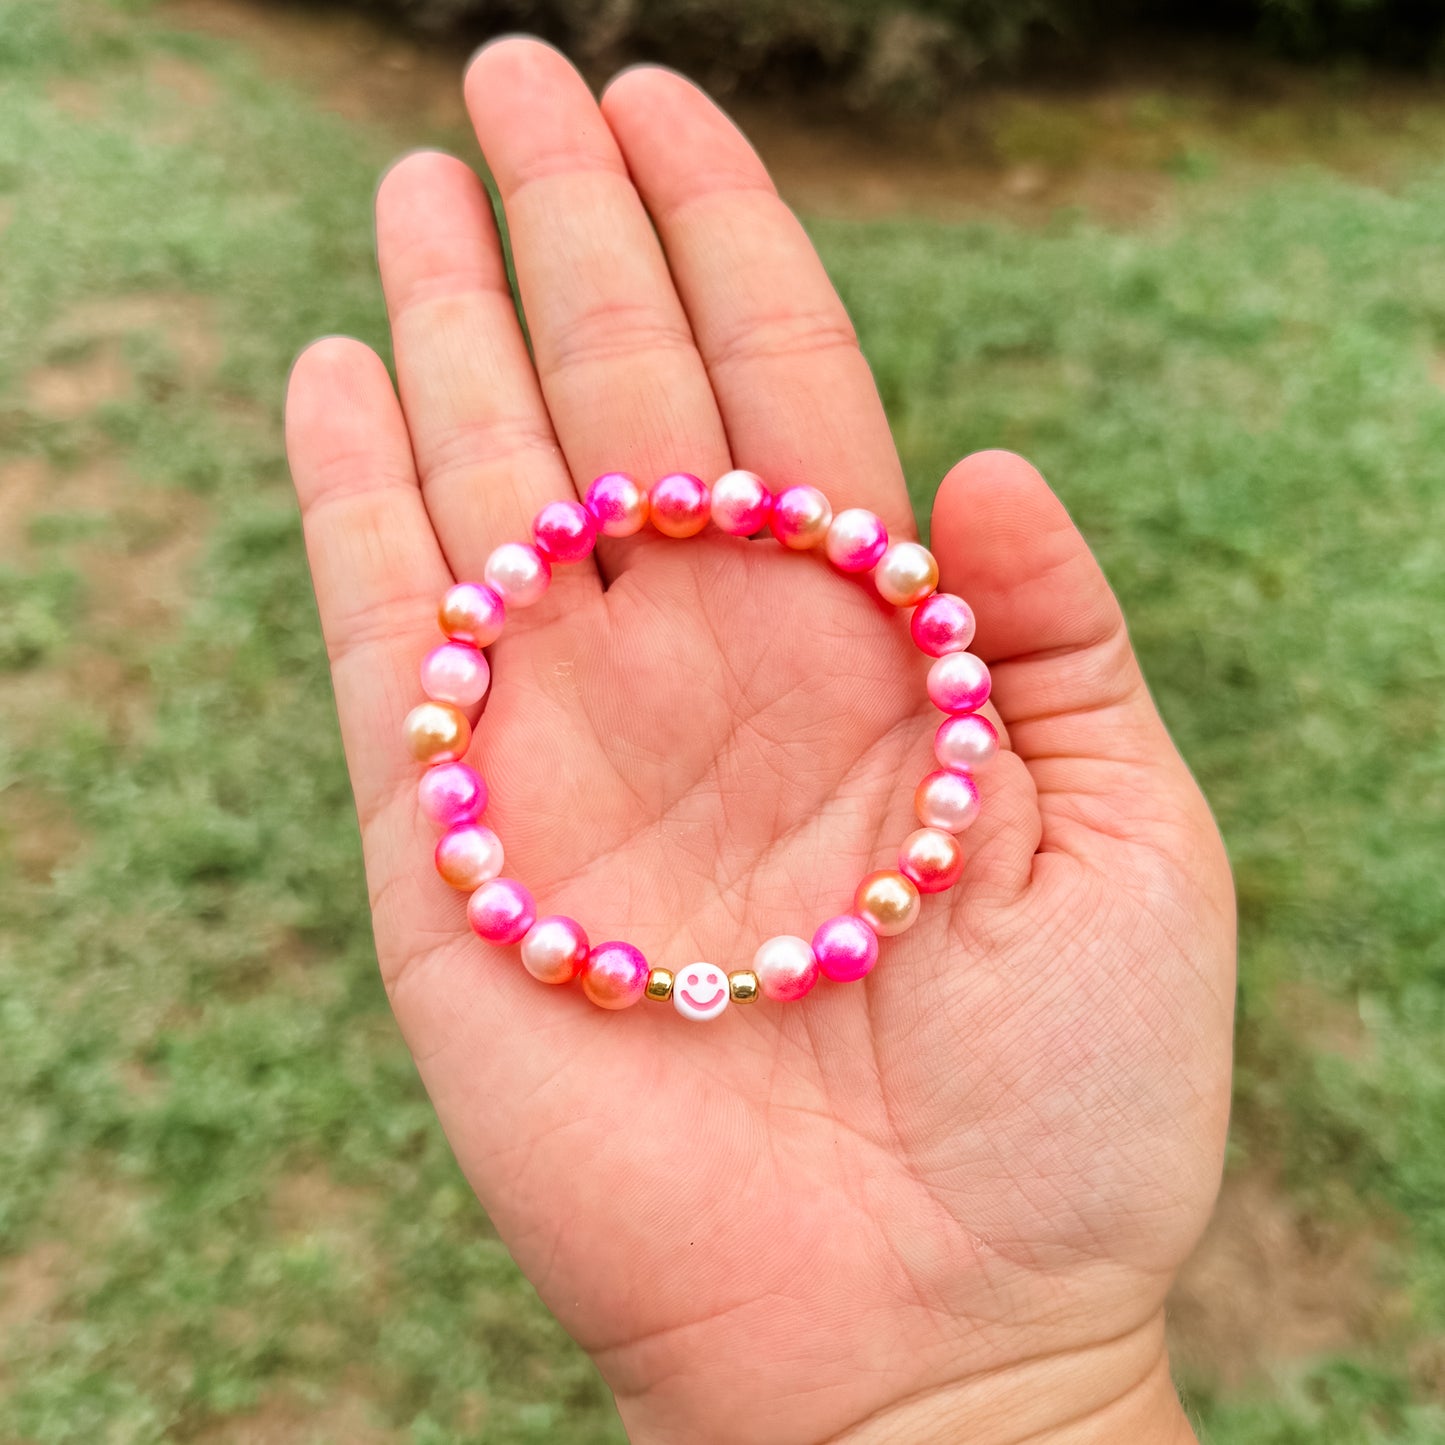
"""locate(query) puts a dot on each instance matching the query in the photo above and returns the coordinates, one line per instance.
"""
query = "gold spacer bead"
(659, 985)
(743, 986)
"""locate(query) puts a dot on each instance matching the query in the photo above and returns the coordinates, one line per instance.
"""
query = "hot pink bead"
(618, 505)
(615, 975)
(947, 800)
(932, 858)
(942, 623)
(518, 573)
(555, 949)
(455, 672)
(845, 947)
(472, 613)
(680, 505)
(856, 540)
(801, 517)
(469, 855)
(452, 793)
(965, 744)
(564, 532)
(741, 503)
(959, 682)
(786, 967)
(501, 911)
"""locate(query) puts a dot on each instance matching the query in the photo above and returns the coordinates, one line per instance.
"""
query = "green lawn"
(222, 1193)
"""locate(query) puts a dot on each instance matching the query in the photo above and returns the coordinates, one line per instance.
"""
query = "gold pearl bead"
(436, 732)
(887, 902)
(906, 573)
(659, 985)
(743, 986)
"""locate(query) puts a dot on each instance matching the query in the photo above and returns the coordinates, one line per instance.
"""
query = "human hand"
(946, 1202)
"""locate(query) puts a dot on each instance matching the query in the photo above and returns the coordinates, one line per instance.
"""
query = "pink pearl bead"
(959, 682)
(452, 793)
(786, 967)
(518, 573)
(472, 613)
(564, 532)
(845, 947)
(501, 911)
(469, 855)
(801, 517)
(618, 505)
(965, 744)
(906, 573)
(680, 505)
(456, 673)
(856, 540)
(741, 503)
(942, 623)
(932, 859)
(555, 949)
(947, 800)
(615, 975)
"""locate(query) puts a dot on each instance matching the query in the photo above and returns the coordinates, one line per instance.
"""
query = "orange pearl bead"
(436, 732)
(887, 902)
(906, 573)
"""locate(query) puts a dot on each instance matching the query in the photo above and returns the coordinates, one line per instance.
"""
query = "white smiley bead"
(700, 991)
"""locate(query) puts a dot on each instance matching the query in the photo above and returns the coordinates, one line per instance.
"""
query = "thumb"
(1065, 678)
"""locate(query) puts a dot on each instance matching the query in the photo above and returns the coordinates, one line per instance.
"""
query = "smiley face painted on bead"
(739, 504)
(700, 992)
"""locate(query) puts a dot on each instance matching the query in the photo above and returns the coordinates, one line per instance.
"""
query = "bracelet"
(456, 676)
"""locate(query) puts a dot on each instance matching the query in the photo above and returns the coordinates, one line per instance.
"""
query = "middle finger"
(624, 383)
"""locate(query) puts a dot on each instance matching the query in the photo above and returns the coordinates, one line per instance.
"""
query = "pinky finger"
(375, 562)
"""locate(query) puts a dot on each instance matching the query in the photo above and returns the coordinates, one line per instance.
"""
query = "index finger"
(796, 395)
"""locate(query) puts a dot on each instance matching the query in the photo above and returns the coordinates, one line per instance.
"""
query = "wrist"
(1119, 1390)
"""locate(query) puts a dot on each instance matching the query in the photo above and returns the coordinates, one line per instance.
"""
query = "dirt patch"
(135, 549)
(134, 545)
(1270, 1285)
(71, 389)
(37, 835)
(87, 364)
(289, 1419)
(183, 322)
(1330, 1024)
(310, 1204)
(31, 1284)
(357, 67)
(1117, 145)
(188, 82)
(77, 98)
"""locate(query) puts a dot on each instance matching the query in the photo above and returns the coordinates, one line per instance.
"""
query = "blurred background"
(1189, 258)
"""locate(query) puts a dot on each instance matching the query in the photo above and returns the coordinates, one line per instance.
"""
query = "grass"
(221, 1189)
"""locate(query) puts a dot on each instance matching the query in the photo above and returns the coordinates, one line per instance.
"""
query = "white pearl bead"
(947, 800)
(518, 573)
(965, 744)
(905, 574)
(786, 967)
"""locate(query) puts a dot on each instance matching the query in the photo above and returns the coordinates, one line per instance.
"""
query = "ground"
(1210, 302)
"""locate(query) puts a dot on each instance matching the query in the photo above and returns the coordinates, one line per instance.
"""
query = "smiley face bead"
(700, 991)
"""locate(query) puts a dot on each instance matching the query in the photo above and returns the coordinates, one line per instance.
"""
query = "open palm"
(942, 1203)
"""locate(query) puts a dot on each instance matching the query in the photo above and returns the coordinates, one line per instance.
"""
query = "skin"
(944, 1203)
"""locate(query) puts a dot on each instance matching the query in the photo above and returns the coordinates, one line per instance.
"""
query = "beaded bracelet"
(456, 675)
